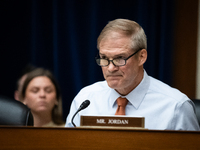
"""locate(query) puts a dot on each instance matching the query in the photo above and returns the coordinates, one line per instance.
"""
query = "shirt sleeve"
(185, 117)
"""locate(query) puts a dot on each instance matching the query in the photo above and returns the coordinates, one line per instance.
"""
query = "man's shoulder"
(94, 90)
(166, 90)
(97, 86)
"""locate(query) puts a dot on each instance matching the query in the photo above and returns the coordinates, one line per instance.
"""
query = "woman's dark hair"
(28, 68)
(56, 112)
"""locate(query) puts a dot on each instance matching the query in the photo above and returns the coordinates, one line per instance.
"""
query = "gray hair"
(128, 28)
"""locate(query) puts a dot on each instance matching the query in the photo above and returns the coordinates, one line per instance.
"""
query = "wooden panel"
(78, 138)
(185, 48)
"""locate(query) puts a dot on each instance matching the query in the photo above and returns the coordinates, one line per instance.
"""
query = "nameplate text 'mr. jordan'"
(116, 121)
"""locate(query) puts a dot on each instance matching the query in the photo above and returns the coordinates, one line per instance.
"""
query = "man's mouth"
(113, 76)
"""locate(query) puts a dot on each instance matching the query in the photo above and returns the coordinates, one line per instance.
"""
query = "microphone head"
(85, 104)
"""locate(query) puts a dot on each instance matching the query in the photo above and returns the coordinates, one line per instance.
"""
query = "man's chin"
(113, 84)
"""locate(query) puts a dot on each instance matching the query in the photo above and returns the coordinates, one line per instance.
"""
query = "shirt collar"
(136, 96)
(113, 97)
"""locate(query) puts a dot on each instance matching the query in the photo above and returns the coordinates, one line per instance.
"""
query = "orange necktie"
(122, 102)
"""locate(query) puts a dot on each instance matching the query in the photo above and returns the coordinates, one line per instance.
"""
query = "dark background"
(61, 35)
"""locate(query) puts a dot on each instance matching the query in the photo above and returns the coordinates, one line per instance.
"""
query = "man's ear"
(142, 57)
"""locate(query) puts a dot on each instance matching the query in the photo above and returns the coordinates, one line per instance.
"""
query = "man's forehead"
(114, 35)
(115, 44)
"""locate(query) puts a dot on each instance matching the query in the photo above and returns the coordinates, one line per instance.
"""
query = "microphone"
(85, 104)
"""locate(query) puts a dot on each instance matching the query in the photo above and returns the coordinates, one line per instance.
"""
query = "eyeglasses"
(116, 62)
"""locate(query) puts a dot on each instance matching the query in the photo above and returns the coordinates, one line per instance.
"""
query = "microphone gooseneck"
(85, 104)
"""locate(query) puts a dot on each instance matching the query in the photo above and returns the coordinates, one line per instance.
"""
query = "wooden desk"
(26, 138)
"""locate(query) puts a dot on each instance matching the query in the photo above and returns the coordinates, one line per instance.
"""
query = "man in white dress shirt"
(122, 48)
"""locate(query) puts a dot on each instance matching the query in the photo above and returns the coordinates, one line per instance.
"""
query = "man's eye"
(103, 57)
(120, 57)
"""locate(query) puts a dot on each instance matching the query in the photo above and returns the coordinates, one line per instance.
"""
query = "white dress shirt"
(164, 107)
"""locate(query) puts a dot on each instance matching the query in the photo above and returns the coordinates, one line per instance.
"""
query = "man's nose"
(112, 67)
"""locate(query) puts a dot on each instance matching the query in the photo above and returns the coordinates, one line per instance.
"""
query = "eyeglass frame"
(114, 59)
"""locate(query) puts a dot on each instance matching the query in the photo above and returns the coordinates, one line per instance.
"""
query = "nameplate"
(115, 121)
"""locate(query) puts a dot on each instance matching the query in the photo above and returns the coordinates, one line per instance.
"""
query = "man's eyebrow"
(122, 54)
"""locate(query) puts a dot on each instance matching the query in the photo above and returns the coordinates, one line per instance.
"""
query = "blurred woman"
(40, 92)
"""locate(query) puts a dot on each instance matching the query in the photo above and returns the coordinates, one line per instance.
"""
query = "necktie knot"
(121, 102)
